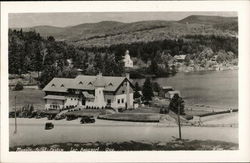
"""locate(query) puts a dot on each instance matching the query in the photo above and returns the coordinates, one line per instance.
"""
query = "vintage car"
(71, 117)
(87, 119)
(49, 126)
(51, 116)
(59, 117)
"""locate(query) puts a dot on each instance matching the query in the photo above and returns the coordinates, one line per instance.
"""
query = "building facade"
(89, 91)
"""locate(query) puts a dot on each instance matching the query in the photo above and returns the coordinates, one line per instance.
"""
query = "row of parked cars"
(84, 120)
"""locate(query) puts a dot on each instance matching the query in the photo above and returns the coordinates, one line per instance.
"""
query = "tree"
(18, 86)
(156, 87)
(137, 89)
(47, 75)
(51, 38)
(147, 90)
(176, 102)
(154, 67)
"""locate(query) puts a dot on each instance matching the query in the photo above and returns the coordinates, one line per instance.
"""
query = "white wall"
(52, 102)
(70, 100)
(115, 104)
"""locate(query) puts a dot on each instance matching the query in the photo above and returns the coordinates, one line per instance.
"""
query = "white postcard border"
(242, 7)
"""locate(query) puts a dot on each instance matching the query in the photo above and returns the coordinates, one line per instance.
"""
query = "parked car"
(49, 126)
(87, 119)
(71, 117)
(33, 115)
(60, 117)
(51, 116)
(12, 114)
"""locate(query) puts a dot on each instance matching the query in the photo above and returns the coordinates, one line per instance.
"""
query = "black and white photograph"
(123, 81)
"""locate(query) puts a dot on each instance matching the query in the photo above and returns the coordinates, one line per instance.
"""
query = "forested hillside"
(107, 33)
(94, 47)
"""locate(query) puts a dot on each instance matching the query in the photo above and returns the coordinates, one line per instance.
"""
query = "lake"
(214, 88)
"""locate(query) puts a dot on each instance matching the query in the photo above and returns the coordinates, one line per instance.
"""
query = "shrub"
(18, 86)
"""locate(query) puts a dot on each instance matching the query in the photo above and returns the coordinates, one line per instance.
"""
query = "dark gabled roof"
(85, 82)
(55, 85)
(104, 80)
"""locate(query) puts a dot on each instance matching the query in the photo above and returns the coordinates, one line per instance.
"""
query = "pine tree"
(147, 90)
(176, 102)
(137, 89)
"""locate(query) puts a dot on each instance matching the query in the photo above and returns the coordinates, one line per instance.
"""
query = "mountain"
(107, 33)
(201, 19)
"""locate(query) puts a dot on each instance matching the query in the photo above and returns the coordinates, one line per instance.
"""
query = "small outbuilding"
(170, 94)
(180, 58)
(164, 90)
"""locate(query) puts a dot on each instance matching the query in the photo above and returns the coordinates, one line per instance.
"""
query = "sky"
(17, 20)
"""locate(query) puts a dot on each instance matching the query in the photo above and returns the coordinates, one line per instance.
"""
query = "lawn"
(132, 117)
(144, 109)
(87, 112)
(26, 96)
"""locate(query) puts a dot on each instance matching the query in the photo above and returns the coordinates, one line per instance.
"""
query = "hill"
(201, 19)
(107, 33)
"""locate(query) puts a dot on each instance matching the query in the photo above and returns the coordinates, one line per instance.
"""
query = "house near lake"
(90, 91)
(180, 58)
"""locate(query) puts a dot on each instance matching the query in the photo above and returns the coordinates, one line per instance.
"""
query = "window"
(90, 83)
(80, 82)
(123, 91)
(118, 101)
(122, 100)
(62, 85)
(53, 85)
(110, 84)
(109, 101)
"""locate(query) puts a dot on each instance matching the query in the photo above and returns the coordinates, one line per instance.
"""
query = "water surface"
(214, 88)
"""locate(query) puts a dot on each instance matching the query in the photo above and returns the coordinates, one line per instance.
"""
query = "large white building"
(93, 91)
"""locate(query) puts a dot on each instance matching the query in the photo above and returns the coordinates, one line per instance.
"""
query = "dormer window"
(90, 83)
(80, 82)
(62, 85)
(53, 85)
(110, 84)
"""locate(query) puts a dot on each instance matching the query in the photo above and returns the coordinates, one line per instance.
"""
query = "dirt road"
(31, 131)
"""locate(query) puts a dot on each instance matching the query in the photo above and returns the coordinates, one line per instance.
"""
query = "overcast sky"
(70, 19)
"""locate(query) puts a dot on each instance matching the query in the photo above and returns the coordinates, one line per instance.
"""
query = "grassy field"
(26, 96)
(133, 117)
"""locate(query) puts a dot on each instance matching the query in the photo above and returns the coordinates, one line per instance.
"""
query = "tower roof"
(100, 82)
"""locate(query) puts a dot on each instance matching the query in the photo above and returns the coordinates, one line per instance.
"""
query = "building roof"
(85, 82)
(55, 97)
(174, 92)
(100, 81)
(180, 57)
(58, 85)
(167, 87)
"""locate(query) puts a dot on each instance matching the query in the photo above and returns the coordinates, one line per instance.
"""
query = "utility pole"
(179, 121)
(15, 118)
